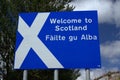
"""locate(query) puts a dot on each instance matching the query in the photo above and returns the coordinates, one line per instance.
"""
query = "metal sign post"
(56, 74)
(25, 75)
(87, 71)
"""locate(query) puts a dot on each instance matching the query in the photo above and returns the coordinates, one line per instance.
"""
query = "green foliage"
(64, 74)
(9, 10)
(67, 74)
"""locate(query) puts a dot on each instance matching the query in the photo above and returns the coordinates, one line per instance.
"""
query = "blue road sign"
(57, 40)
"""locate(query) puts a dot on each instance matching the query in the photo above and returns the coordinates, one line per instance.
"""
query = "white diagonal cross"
(31, 40)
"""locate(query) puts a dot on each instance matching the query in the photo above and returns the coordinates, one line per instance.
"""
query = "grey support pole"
(56, 74)
(87, 71)
(25, 75)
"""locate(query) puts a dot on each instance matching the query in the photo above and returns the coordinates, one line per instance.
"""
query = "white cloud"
(111, 49)
(109, 12)
(82, 77)
(95, 73)
(117, 12)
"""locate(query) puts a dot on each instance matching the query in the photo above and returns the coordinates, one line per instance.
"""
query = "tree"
(9, 10)
(7, 37)
(64, 74)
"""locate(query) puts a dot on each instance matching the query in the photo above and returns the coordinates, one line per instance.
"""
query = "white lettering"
(72, 38)
(64, 21)
(70, 28)
(88, 20)
(88, 37)
(53, 21)
(54, 38)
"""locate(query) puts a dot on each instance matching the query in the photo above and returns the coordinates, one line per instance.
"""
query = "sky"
(109, 33)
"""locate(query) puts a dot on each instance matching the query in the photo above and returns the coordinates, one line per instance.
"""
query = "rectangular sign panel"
(57, 40)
